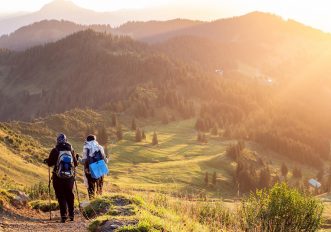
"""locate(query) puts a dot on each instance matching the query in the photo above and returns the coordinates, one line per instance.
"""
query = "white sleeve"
(84, 153)
(103, 154)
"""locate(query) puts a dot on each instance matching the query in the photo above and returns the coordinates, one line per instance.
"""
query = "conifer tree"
(119, 133)
(320, 175)
(199, 139)
(138, 135)
(114, 120)
(206, 178)
(297, 173)
(265, 178)
(143, 135)
(214, 178)
(214, 131)
(155, 140)
(133, 125)
(284, 170)
(102, 136)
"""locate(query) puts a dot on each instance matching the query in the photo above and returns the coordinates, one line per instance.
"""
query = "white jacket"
(91, 147)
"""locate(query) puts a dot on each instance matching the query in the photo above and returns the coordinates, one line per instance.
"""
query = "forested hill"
(86, 69)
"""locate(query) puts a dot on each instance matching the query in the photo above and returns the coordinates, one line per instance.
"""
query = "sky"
(313, 13)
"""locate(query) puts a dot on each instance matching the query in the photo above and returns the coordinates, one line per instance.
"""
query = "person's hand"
(45, 161)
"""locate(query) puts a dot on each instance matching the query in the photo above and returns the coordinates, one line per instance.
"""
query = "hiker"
(63, 159)
(92, 152)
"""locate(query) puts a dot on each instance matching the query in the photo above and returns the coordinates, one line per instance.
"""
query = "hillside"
(21, 156)
(95, 60)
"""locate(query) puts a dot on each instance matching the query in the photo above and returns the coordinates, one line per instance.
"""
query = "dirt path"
(30, 220)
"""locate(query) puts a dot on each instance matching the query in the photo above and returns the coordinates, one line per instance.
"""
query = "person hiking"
(92, 151)
(62, 157)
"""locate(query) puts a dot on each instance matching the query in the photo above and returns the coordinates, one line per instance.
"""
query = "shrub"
(215, 213)
(280, 209)
(39, 191)
(44, 205)
(98, 206)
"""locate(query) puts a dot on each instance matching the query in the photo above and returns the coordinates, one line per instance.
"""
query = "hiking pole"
(49, 193)
(79, 206)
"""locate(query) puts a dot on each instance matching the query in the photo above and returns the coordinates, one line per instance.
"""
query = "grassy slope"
(19, 162)
(177, 163)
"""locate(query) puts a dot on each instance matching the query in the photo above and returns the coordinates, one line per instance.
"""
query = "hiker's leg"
(100, 185)
(60, 195)
(91, 186)
(70, 197)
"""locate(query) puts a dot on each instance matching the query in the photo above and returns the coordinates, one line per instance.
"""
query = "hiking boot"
(63, 220)
(71, 219)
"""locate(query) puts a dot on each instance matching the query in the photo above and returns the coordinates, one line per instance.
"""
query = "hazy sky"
(314, 13)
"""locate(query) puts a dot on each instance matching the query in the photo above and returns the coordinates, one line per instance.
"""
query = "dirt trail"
(29, 220)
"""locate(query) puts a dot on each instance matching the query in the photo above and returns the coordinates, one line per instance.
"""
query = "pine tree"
(284, 170)
(138, 135)
(320, 175)
(155, 140)
(204, 138)
(102, 136)
(143, 135)
(297, 173)
(206, 178)
(133, 125)
(214, 178)
(114, 120)
(265, 178)
(119, 133)
(214, 131)
(199, 139)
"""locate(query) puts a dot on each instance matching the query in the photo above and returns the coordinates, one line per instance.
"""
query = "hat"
(61, 138)
(90, 138)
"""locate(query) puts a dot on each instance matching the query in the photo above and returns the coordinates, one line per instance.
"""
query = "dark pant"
(94, 184)
(65, 195)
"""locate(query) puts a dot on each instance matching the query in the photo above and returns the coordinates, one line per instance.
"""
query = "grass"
(178, 163)
(160, 212)
(44, 205)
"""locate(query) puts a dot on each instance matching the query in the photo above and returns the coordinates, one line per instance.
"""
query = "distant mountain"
(46, 31)
(60, 10)
(43, 32)
(68, 11)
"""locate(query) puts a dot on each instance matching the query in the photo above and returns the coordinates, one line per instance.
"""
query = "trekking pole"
(49, 193)
(79, 206)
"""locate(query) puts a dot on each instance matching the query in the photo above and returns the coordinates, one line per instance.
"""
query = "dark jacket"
(54, 155)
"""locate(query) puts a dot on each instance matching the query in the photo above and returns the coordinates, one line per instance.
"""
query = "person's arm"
(52, 158)
(103, 154)
(74, 157)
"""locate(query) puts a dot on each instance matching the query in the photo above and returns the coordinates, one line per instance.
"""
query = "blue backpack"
(65, 165)
(97, 165)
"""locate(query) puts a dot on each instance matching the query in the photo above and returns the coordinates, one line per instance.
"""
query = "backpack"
(96, 157)
(65, 165)
(96, 165)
